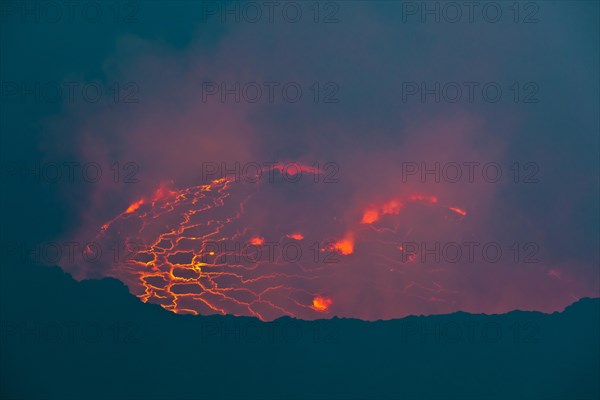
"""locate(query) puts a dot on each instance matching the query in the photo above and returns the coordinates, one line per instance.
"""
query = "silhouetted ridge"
(113, 346)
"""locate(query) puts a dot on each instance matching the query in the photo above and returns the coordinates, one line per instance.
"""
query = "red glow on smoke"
(421, 197)
(181, 250)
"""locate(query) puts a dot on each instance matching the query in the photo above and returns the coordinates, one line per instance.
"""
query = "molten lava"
(321, 303)
(459, 211)
(345, 246)
(296, 236)
(208, 249)
(370, 215)
(134, 206)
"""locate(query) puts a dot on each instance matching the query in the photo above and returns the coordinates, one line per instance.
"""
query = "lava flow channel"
(229, 247)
